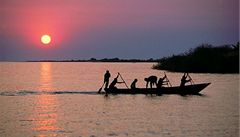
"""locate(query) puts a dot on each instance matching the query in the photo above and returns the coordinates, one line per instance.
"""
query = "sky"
(141, 29)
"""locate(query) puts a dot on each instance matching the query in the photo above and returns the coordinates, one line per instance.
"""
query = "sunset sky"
(82, 29)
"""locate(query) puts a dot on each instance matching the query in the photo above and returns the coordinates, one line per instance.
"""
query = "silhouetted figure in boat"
(184, 79)
(107, 75)
(133, 85)
(152, 80)
(114, 82)
(161, 82)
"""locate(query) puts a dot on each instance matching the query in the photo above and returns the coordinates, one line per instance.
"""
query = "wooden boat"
(186, 90)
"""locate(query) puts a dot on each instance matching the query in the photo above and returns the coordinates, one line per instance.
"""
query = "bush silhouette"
(204, 59)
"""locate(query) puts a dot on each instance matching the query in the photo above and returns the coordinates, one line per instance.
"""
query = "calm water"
(58, 99)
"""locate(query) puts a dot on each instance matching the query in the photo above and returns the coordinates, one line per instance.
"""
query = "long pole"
(167, 79)
(101, 88)
(123, 80)
(192, 82)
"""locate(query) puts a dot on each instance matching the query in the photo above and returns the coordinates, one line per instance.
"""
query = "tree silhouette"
(204, 59)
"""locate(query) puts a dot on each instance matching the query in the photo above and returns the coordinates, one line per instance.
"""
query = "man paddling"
(161, 82)
(184, 79)
(114, 82)
(107, 75)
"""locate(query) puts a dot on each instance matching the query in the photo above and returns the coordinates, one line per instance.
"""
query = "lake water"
(58, 99)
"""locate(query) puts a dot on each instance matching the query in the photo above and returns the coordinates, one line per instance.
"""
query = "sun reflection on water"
(45, 114)
(45, 120)
(45, 76)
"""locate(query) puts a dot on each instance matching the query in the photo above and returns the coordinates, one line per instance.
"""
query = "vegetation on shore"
(203, 59)
(101, 60)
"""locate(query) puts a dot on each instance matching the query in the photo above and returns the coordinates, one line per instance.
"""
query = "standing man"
(107, 75)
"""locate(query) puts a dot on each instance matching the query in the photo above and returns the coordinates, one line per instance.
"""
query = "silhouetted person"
(184, 80)
(152, 80)
(114, 82)
(133, 85)
(107, 75)
(161, 82)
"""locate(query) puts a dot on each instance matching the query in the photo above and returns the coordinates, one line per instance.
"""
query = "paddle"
(123, 80)
(101, 88)
(192, 82)
(167, 80)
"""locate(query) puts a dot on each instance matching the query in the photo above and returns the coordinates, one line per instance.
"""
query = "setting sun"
(45, 39)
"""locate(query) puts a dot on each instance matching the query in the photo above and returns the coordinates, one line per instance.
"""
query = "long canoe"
(186, 90)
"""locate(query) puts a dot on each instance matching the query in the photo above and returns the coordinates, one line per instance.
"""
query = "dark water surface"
(59, 99)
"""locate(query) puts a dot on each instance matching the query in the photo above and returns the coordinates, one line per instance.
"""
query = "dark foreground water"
(59, 99)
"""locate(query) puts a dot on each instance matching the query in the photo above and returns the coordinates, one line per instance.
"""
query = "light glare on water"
(44, 99)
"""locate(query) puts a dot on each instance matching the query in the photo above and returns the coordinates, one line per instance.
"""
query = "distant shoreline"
(105, 60)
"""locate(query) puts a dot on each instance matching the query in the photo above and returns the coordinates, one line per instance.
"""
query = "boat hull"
(188, 89)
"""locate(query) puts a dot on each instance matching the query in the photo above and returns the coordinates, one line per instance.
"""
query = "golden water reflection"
(45, 76)
(45, 115)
